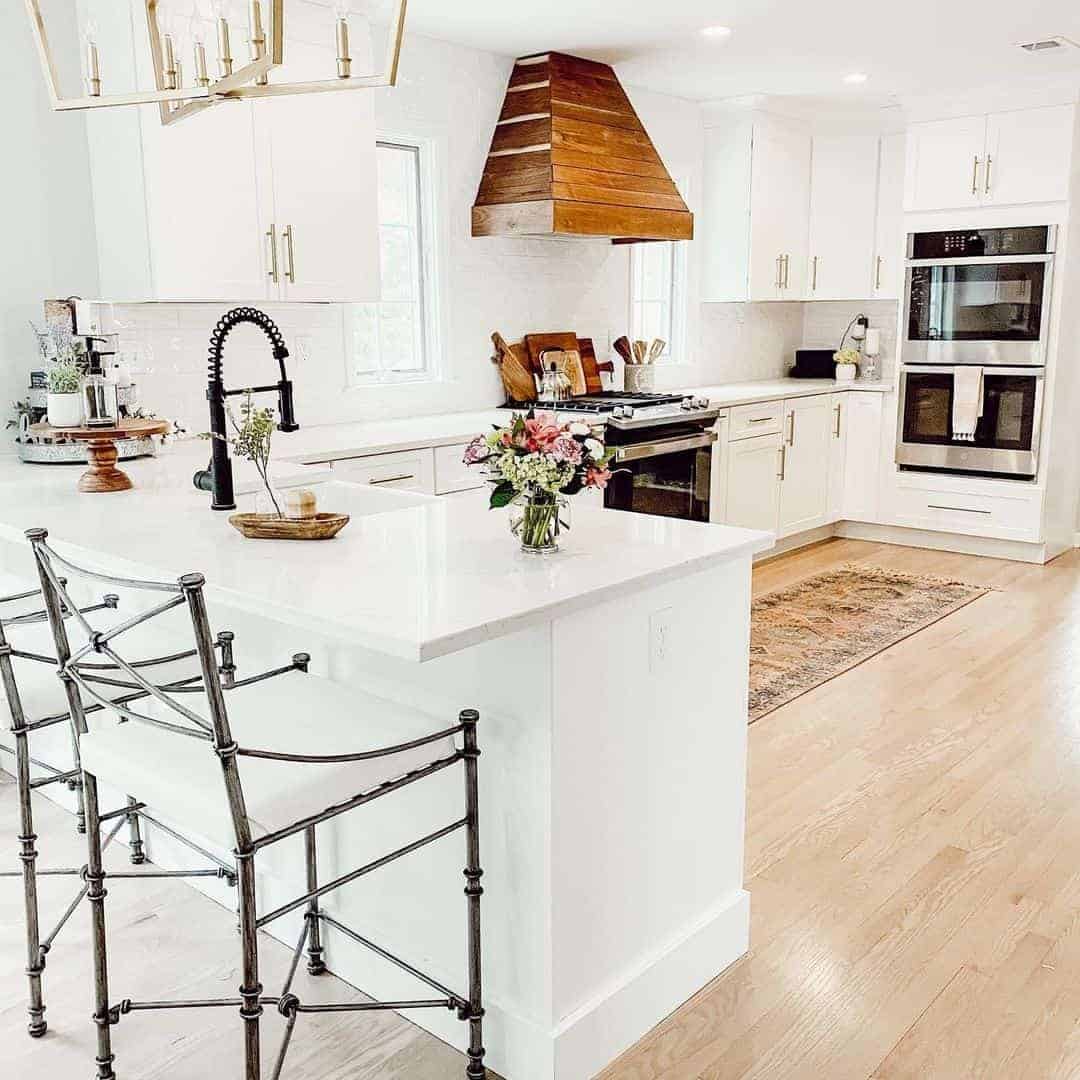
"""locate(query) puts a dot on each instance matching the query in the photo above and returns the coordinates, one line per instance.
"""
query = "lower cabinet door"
(753, 482)
(804, 488)
(837, 454)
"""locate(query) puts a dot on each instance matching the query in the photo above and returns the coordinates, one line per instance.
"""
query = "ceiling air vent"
(1048, 44)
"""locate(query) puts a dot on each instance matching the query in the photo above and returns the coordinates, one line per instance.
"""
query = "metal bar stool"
(257, 807)
(36, 702)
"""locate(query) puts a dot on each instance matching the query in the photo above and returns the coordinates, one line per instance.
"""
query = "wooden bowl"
(271, 527)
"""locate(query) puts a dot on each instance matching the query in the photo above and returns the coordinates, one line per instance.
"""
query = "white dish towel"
(967, 402)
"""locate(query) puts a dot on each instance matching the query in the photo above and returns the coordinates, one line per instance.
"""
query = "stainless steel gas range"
(663, 449)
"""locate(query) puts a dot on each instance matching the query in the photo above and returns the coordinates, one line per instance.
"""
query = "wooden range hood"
(571, 158)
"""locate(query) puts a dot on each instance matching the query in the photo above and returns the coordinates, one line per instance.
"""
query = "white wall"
(49, 247)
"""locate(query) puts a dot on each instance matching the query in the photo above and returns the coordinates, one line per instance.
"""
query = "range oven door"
(667, 476)
(988, 310)
(1006, 439)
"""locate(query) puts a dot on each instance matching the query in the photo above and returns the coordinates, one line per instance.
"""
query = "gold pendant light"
(175, 100)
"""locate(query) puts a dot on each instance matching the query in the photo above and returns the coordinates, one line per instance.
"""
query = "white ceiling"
(786, 47)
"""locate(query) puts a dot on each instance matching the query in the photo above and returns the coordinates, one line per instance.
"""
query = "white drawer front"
(408, 470)
(750, 420)
(999, 517)
(451, 473)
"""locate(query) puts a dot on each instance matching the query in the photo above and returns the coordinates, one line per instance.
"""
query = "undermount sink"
(356, 500)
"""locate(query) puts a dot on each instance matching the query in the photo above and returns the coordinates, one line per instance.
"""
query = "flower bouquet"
(535, 463)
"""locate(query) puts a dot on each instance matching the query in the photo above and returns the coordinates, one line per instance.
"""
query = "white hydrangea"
(535, 470)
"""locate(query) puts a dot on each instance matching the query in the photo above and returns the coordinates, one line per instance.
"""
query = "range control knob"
(686, 403)
(628, 412)
(701, 403)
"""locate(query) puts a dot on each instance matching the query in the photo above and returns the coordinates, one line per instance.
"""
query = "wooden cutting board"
(513, 361)
(593, 383)
(541, 343)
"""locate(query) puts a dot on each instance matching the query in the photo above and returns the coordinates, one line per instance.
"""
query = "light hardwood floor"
(913, 859)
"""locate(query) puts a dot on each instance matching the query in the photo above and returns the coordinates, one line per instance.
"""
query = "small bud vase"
(535, 521)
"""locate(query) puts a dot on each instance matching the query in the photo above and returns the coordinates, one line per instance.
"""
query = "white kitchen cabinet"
(753, 482)
(843, 211)
(451, 472)
(863, 417)
(274, 200)
(943, 163)
(804, 464)
(1007, 158)
(756, 209)
(889, 238)
(1028, 153)
(406, 470)
(318, 190)
(837, 454)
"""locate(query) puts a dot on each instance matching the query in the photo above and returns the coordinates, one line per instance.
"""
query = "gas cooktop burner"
(605, 401)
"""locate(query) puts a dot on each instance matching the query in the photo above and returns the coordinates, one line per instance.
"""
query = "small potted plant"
(63, 399)
(534, 465)
(847, 364)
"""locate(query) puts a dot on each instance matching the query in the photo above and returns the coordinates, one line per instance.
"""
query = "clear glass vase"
(536, 520)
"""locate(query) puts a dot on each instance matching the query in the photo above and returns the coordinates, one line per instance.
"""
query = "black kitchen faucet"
(217, 477)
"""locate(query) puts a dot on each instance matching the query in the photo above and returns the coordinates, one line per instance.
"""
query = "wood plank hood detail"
(571, 158)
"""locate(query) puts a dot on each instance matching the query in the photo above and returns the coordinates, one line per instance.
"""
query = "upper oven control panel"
(979, 243)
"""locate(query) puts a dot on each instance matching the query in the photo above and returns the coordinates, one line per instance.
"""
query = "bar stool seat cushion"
(182, 780)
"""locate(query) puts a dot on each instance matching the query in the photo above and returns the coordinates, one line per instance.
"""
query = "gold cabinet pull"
(787, 270)
(813, 275)
(791, 428)
(779, 271)
(783, 462)
(836, 429)
(271, 235)
(290, 257)
(877, 273)
(975, 177)
(989, 163)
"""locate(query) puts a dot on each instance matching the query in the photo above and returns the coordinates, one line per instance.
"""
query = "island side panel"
(648, 807)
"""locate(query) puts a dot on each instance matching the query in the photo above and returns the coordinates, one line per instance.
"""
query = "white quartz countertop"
(431, 578)
(331, 442)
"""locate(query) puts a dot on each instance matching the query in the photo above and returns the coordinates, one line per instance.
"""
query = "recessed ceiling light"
(717, 31)
(856, 77)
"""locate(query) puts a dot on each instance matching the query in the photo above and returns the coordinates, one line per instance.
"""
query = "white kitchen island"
(611, 680)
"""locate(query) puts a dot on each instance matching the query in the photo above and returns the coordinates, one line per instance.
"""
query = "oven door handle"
(988, 370)
(983, 260)
(665, 446)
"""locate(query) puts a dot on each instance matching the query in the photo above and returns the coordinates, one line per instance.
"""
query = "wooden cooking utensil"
(593, 383)
(537, 344)
(641, 349)
(513, 362)
(622, 346)
(656, 349)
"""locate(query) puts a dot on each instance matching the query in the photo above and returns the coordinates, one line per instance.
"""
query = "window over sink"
(393, 341)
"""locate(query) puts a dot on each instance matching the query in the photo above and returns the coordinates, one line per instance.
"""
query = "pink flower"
(476, 452)
(567, 449)
(541, 431)
(597, 478)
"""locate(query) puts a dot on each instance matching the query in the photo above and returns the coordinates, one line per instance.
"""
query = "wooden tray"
(270, 527)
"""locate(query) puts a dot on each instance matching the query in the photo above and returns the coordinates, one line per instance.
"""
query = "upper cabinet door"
(1028, 153)
(202, 206)
(946, 164)
(779, 212)
(843, 201)
(323, 213)
(889, 240)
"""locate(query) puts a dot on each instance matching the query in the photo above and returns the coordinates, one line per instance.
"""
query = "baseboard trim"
(595, 1034)
(1013, 550)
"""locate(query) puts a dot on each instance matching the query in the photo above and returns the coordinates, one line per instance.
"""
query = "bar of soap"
(300, 503)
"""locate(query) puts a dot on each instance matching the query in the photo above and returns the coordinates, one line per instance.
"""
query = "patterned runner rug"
(810, 632)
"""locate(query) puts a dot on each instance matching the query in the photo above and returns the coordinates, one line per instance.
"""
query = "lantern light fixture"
(170, 35)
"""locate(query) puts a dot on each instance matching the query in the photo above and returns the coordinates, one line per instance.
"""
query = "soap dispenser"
(100, 404)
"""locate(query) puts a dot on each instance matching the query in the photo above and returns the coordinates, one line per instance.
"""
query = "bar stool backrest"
(79, 665)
